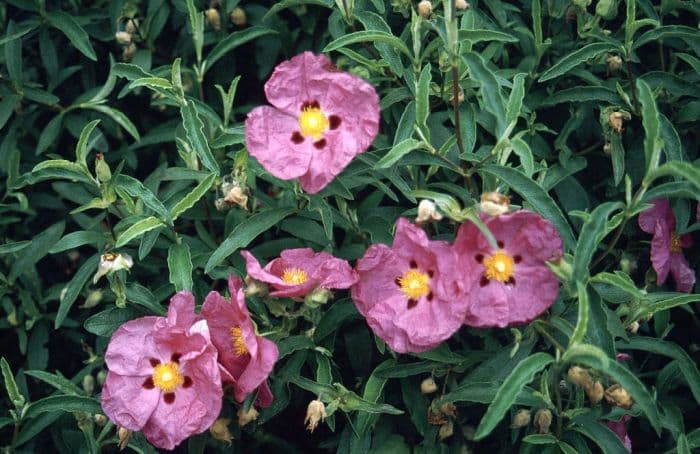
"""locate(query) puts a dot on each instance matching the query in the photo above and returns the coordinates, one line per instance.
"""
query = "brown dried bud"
(237, 196)
(128, 52)
(616, 119)
(214, 18)
(124, 435)
(494, 203)
(123, 38)
(219, 430)
(131, 26)
(462, 4)
(607, 148)
(425, 9)
(579, 376)
(449, 409)
(614, 63)
(246, 417)
(427, 212)
(594, 391)
(446, 430)
(521, 419)
(617, 395)
(543, 419)
(435, 416)
(238, 17)
(315, 413)
(428, 386)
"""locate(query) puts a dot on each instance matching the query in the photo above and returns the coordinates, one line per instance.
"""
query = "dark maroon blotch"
(397, 281)
(176, 357)
(319, 144)
(154, 362)
(479, 257)
(148, 383)
(169, 398)
(411, 303)
(484, 281)
(310, 105)
(297, 138)
(431, 273)
(430, 296)
(333, 122)
(518, 258)
(511, 281)
(413, 264)
(188, 382)
(500, 244)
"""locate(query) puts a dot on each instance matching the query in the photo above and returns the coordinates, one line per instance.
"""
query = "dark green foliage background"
(537, 93)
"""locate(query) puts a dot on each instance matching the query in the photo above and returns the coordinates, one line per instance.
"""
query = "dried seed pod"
(427, 212)
(494, 203)
(238, 17)
(425, 9)
(543, 419)
(617, 395)
(214, 18)
(123, 38)
(462, 4)
(246, 417)
(521, 419)
(219, 430)
(594, 391)
(315, 413)
(446, 430)
(428, 386)
(579, 376)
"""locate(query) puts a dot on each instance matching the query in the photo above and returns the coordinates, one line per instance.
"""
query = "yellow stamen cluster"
(675, 242)
(414, 284)
(313, 122)
(499, 266)
(167, 376)
(294, 276)
(239, 347)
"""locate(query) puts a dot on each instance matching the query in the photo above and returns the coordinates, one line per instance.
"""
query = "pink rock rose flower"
(319, 120)
(246, 359)
(163, 377)
(512, 284)
(620, 429)
(297, 272)
(411, 293)
(666, 245)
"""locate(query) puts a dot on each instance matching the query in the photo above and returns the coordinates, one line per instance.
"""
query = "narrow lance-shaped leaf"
(582, 320)
(74, 287)
(75, 33)
(8, 377)
(592, 233)
(193, 197)
(194, 128)
(422, 96)
(575, 58)
(397, 152)
(369, 36)
(138, 229)
(81, 148)
(652, 126)
(180, 266)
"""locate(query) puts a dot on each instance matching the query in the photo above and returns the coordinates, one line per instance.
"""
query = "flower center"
(675, 242)
(313, 122)
(239, 347)
(167, 377)
(414, 284)
(499, 266)
(294, 276)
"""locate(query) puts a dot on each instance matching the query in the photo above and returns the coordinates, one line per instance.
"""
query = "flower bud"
(543, 419)
(124, 435)
(88, 384)
(214, 18)
(131, 26)
(318, 297)
(427, 212)
(614, 63)
(221, 205)
(425, 9)
(128, 52)
(219, 430)
(594, 391)
(101, 377)
(494, 203)
(462, 4)
(315, 413)
(100, 419)
(607, 149)
(633, 327)
(615, 119)
(102, 170)
(123, 38)
(254, 288)
(521, 419)
(446, 430)
(93, 299)
(579, 376)
(112, 262)
(617, 395)
(238, 17)
(428, 386)
(449, 409)
(245, 417)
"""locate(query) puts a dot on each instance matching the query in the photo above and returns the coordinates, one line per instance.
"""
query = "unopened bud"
(521, 419)
(123, 38)
(427, 212)
(428, 386)
(318, 297)
(245, 417)
(237, 196)
(93, 299)
(579, 376)
(446, 430)
(449, 409)
(425, 9)
(315, 413)
(238, 17)
(616, 119)
(112, 262)
(607, 149)
(254, 288)
(617, 395)
(594, 391)
(460, 95)
(219, 430)
(88, 384)
(102, 169)
(633, 327)
(124, 435)
(494, 203)
(614, 63)
(100, 419)
(543, 419)
(129, 51)
(214, 18)
(462, 4)
(131, 26)
(101, 377)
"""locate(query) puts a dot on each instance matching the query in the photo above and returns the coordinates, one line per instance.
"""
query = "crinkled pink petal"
(181, 310)
(288, 86)
(269, 139)
(171, 423)
(534, 291)
(660, 211)
(620, 429)
(489, 307)
(683, 274)
(661, 251)
(258, 369)
(131, 346)
(526, 234)
(335, 273)
(126, 402)
(265, 396)
(271, 275)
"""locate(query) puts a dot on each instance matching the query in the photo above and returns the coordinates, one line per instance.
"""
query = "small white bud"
(425, 9)
(123, 38)
(315, 413)
(427, 212)
(494, 203)
(112, 262)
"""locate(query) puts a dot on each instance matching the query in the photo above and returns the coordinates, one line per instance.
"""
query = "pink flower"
(512, 284)
(246, 359)
(319, 120)
(620, 429)
(410, 293)
(666, 245)
(297, 272)
(163, 377)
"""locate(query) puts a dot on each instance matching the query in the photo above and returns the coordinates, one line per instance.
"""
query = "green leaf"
(652, 126)
(575, 58)
(688, 367)
(668, 31)
(397, 152)
(180, 266)
(151, 82)
(668, 303)
(507, 393)
(65, 403)
(194, 128)
(13, 57)
(7, 107)
(540, 439)
(490, 90)
(245, 232)
(75, 33)
(621, 281)
(605, 438)
(232, 41)
(476, 36)
(40, 246)
(81, 150)
(515, 101)
(106, 322)
(537, 197)
(18, 32)
(423, 96)
(8, 377)
(582, 320)
(136, 189)
(74, 287)
(591, 356)
(373, 36)
(689, 171)
(116, 115)
(49, 134)
(581, 94)
(130, 71)
(193, 196)
(59, 168)
(76, 239)
(291, 344)
(592, 233)
(15, 246)
(138, 229)
(57, 380)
